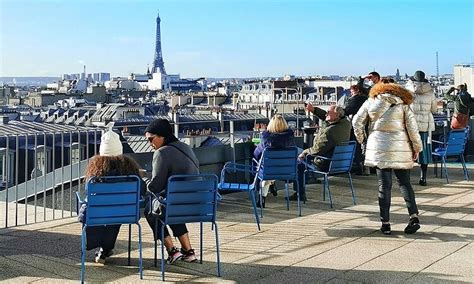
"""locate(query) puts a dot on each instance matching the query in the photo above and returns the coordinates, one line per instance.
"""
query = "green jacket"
(330, 134)
(462, 102)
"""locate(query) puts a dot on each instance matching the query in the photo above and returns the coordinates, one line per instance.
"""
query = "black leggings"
(385, 191)
(178, 229)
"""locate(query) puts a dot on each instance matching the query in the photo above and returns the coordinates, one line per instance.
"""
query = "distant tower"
(397, 76)
(437, 67)
(158, 64)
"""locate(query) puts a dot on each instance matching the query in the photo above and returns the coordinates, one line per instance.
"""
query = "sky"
(235, 38)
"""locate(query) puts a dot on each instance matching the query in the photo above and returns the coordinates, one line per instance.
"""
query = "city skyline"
(235, 39)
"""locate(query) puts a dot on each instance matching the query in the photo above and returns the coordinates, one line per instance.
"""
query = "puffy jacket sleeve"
(412, 129)
(359, 121)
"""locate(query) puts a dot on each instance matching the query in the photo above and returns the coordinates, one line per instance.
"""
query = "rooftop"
(324, 245)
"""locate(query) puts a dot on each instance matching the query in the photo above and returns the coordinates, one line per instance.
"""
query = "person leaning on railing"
(463, 103)
(109, 162)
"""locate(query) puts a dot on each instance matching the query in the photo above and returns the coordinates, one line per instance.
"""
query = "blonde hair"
(277, 124)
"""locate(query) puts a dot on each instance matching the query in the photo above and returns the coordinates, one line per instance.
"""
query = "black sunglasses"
(151, 138)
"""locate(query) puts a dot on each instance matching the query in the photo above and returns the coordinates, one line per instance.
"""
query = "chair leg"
(217, 252)
(252, 198)
(129, 242)
(329, 191)
(466, 173)
(140, 260)
(299, 201)
(435, 168)
(155, 236)
(287, 195)
(200, 243)
(443, 162)
(83, 253)
(352, 189)
(163, 252)
(260, 198)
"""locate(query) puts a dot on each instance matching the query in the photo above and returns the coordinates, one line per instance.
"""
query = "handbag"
(459, 121)
(155, 204)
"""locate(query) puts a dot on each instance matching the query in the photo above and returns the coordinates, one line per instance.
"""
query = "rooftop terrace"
(337, 245)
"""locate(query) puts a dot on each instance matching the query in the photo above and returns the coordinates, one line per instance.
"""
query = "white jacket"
(393, 131)
(424, 104)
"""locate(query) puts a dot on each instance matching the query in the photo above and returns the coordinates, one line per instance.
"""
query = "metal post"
(62, 174)
(53, 182)
(7, 170)
(26, 179)
(35, 171)
(78, 163)
(231, 134)
(70, 173)
(44, 176)
(17, 160)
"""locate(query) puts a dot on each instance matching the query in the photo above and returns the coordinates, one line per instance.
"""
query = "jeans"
(102, 236)
(385, 191)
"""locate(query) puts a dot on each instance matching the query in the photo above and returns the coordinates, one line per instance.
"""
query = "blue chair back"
(191, 199)
(456, 141)
(278, 164)
(113, 200)
(341, 161)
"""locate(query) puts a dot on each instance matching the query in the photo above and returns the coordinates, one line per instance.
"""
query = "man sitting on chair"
(335, 129)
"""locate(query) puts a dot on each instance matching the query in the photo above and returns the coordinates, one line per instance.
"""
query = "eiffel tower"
(158, 64)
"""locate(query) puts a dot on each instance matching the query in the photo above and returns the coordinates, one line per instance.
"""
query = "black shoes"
(413, 226)
(422, 182)
(386, 229)
(294, 197)
(272, 189)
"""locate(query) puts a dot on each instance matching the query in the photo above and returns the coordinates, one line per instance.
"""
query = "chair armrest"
(79, 202)
(236, 167)
(437, 142)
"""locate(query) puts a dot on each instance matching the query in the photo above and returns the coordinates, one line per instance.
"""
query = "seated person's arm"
(320, 113)
(160, 175)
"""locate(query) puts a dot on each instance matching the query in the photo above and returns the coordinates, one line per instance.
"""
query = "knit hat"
(160, 127)
(110, 144)
(419, 76)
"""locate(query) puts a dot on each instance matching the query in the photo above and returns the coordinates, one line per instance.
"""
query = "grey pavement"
(340, 245)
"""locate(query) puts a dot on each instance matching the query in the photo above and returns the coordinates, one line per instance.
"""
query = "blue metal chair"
(453, 146)
(275, 164)
(190, 199)
(112, 200)
(340, 163)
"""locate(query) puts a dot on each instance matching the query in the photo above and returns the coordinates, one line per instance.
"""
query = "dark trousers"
(301, 187)
(385, 191)
(102, 236)
(178, 229)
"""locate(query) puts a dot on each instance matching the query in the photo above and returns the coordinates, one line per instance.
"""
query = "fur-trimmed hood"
(393, 89)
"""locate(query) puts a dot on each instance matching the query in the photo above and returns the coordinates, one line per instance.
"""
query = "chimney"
(4, 120)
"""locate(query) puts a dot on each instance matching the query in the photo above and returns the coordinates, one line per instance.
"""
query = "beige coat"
(393, 131)
(424, 104)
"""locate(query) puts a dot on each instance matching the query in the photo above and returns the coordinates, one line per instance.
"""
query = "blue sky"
(237, 38)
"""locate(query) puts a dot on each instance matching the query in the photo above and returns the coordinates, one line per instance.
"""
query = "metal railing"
(41, 172)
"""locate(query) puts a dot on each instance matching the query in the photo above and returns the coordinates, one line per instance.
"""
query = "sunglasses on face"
(151, 138)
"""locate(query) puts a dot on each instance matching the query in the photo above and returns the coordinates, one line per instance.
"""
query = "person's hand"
(309, 107)
(415, 156)
(301, 156)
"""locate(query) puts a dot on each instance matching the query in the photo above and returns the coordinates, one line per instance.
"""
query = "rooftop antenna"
(437, 67)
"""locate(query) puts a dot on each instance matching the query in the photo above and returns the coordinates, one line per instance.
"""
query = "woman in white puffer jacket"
(392, 145)
(424, 105)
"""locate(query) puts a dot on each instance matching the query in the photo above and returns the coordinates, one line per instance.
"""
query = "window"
(43, 162)
(3, 165)
(77, 153)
